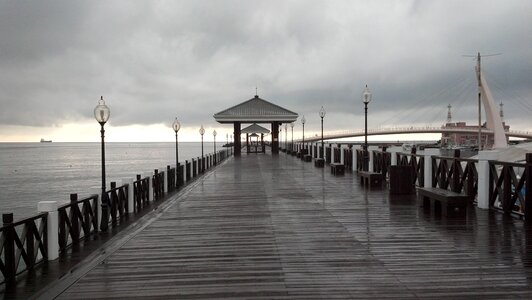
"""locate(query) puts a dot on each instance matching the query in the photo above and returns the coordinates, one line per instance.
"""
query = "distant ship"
(45, 141)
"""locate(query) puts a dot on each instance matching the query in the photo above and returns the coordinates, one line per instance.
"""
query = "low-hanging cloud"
(154, 60)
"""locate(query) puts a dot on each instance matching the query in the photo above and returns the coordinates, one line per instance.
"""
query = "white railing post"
(130, 194)
(332, 153)
(483, 199)
(371, 158)
(427, 170)
(342, 155)
(393, 154)
(150, 185)
(52, 227)
(165, 185)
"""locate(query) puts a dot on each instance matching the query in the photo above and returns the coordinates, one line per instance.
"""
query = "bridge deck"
(264, 227)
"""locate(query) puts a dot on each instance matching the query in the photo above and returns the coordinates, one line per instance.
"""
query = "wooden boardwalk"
(264, 227)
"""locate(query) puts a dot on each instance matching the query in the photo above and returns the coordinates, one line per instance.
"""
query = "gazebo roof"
(254, 128)
(256, 110)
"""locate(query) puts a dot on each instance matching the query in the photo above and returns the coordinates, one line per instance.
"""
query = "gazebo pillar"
(262, 142)
(236, 142)
(247, 143)
(275, 137)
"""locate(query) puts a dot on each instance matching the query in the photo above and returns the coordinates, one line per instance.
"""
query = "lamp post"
(202, 132)
(285, 136)
(176, 126)
(214, 135)
(322, 115)
(292, 143)
(366, 98)
(101, 114)
(303, 121)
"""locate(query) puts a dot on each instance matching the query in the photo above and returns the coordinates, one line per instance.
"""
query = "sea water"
(33, 172)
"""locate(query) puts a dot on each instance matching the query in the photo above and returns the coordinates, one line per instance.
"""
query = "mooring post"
(52, 227)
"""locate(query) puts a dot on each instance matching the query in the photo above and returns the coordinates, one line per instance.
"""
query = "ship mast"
(479, 103)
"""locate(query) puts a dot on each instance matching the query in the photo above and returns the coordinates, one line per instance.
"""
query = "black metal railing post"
(9, 248)
(528, 189)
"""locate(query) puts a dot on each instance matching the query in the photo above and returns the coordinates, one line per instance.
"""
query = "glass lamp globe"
(292, 125)
(202, 130)
(214, 133)
(366, 95)
(322, 112)
(303, 120)
(101, 112)
(176, 125)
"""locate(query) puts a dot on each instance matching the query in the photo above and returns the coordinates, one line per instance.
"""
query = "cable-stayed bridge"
(409, 130)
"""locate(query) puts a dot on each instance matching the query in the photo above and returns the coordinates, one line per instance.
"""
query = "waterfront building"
(468, 139)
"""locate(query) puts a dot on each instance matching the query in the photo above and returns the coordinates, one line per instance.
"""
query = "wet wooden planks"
(264, 227)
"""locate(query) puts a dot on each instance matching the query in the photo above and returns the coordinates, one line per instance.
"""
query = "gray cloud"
(154, 60)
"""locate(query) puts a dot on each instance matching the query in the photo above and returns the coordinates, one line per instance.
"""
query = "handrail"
(22, 249)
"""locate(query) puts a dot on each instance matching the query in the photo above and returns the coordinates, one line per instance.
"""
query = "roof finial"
(449, 118)
(256, 91)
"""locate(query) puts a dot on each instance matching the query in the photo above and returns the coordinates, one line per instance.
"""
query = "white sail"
(493, 118)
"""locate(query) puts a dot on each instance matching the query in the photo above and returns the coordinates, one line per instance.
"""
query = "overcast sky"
(155, 60)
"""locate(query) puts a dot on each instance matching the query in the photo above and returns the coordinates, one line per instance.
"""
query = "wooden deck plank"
(264, 227)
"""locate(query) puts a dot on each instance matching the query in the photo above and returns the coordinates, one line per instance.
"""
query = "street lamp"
(202, 132)
(292, 144)
(322, 115)
(366, 98)
(214, 134)
(285, 136)
(101, 114)
(176, 126)
(303, 121)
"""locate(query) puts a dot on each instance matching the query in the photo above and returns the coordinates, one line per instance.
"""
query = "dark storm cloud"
(154, 60)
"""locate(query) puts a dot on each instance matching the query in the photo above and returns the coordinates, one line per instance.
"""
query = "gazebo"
(254, 130)
(253, 111)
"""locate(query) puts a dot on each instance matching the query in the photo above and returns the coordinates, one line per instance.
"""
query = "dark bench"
(319, 162)
(337, 169)
(370, 178)
(427, 197)
(307, 158)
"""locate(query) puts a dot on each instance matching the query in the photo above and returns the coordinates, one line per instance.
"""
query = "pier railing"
(348, 158)
(510, 185)
(22, 245)
(77, 220)
(490, 183)
(455, 174)
(172, 178)
(118, 202)
(26, 243)
(416, 162)
(381, 161)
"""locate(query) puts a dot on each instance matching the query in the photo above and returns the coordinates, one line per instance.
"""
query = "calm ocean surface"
(33, 172)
